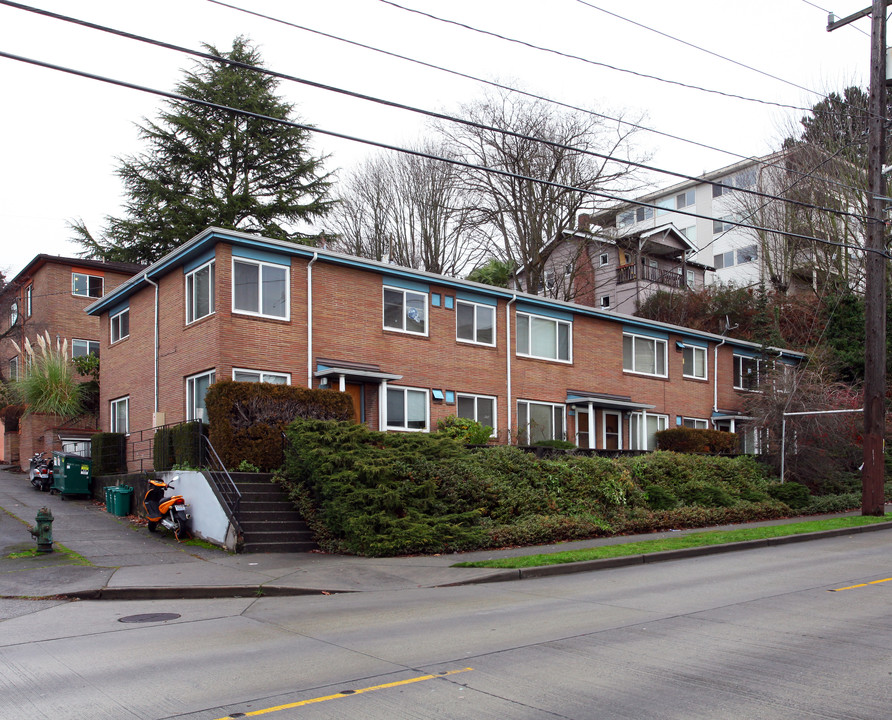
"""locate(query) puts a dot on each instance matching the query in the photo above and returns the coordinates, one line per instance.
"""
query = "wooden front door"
(354, 390)
(613, 436)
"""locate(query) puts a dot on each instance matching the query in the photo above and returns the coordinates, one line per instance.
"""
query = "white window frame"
(605, 301)
(476, 399)
(88, 343)
(114, 326)
(635, 432)
(101, 279)
(261, 268)
(192, 292)
(113, 417)
(635, 339)
(737, 372)
(405, 393)
(695, 423)
(603, 259)
(686, 199)
(405, 292)
(528, 340)
(523, 431)
(476, 308)
(262, 376)
(619, 428)
(690, 372)
(13, 312)
(13, 368)
(29, 296)
(192, 408)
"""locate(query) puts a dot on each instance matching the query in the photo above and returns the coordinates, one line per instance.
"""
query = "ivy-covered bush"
(694, 440)
(247, 420)
(372, 493)
(108, 452)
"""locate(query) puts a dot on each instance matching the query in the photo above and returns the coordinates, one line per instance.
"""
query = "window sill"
(408, 333)
(643, 374)
(200, 320)
(543, 359)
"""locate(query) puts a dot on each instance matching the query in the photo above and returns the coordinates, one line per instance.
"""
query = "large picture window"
(82, 348)
(84, 285)
(481, 408)
(746, 372)
(643, 434)
(405, 311)
(196, 388)
(275, 378)
(407, 409)
(200, 293)
(120, 415)
(120, 325)
(644, 355)
(544, 337)
(475, 323)
(260, 289)
(694, 362)
(538, 421)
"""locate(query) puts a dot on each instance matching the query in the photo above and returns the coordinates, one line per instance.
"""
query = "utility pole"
(872, 478)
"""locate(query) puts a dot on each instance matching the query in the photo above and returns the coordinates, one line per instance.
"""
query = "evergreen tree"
(207, 166)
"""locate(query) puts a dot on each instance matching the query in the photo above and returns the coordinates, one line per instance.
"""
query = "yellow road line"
(349, 693)
(860, 585)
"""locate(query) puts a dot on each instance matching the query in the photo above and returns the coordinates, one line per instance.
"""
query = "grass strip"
(700, 539)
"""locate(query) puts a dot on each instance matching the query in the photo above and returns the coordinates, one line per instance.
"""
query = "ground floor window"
(275, 378)
(481, 408)
(538, 421)
(643, 432)
(120, 415)
(407, 409)
(196, 388)
(695, 423)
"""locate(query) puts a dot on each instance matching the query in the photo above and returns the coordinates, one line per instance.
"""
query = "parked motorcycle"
(170, 512)
(41, 472)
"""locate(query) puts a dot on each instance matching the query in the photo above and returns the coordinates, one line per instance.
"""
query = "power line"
(854, 27)
(407, 151)
(396, 105)
(591, 62)
(501, 86)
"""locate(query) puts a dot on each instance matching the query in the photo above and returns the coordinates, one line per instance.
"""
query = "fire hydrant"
(43, 531)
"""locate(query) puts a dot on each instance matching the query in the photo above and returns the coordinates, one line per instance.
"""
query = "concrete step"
(278, 547)
(274, 513)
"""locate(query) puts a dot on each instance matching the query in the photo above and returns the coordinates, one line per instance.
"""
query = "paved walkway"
(126, 562)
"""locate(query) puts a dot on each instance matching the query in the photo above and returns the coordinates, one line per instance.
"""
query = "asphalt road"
(764, 634)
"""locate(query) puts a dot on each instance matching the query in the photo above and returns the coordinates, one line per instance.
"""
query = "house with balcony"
(410, 348)
(49, 296)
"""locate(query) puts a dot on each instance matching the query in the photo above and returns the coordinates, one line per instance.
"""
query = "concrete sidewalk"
(127, 562)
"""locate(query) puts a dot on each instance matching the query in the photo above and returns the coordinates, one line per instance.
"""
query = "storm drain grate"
(149, 617)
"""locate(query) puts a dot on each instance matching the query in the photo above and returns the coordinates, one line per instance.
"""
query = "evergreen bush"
(696, 440)
(108, 452)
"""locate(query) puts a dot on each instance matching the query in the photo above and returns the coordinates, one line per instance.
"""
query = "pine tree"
(206, 166)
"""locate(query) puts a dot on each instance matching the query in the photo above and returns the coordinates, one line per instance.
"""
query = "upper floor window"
(407, 409)
(405, 311)
(13, 313)
(723, 224)
(84, 285)
(694, 360)
(259, 288)
(196, 388)
(120, 325)
(13, 368)
(475, 323)
(274, 378)
(82, 348)
(746, 372)
(644, 355)
(543, 337)
(685, 199)
(29, 294)
(665, 205)
(119, 421)
(603, 259)
(200, 292)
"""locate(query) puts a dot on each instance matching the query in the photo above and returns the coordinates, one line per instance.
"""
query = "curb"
(197, 592)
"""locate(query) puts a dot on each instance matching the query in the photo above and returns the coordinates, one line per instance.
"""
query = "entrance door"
(613, 434)
(354, 390)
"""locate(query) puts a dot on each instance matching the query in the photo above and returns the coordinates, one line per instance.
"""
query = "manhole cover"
(149, 617)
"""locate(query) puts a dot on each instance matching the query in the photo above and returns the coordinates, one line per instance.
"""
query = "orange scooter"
(169, 512)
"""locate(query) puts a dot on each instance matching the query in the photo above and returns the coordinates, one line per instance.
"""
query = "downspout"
(310, 320)
(154, 285)
(715, 379)
(508, 359)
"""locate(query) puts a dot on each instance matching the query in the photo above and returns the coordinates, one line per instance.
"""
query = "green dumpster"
(120, 500)
(71, 474)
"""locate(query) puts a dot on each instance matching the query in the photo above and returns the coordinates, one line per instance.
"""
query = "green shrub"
(659, 498)
(108, 452)
(833, 503)
(691, 440)
(556, 444)
(465, 430)
(247, 420)
(791, 493)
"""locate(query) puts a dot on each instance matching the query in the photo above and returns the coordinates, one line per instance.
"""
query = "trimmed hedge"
(372, 493)
(691, 440)
(108, 452)
(178, 445)
(247, 420)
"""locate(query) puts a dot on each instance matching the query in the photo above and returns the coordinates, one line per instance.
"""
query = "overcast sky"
(61, 134)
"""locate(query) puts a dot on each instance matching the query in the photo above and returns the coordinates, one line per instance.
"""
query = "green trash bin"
(71, 474)
(108, 497)
(120, 496)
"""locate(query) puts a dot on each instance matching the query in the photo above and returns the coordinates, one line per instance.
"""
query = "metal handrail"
(221, 478)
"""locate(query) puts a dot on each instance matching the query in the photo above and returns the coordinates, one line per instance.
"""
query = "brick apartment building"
(49, 295)
(410, 347)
